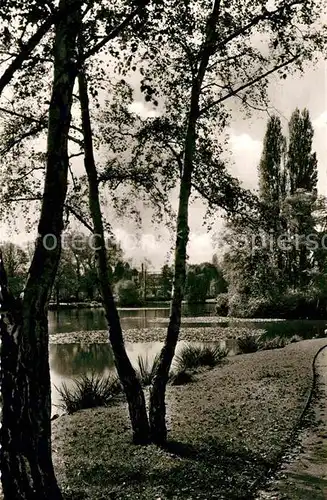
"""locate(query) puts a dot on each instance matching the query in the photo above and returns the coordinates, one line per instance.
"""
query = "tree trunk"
(26, 462)
(157, 411)
(126, 372)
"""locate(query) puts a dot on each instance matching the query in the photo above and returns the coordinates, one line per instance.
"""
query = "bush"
(145, 371)
(128, 293)
(248, 344)
(290, 305)
(222, 304)
(89, 391)
(192, 357)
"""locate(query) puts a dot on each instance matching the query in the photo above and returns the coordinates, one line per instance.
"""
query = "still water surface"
(75, 320)
(70, 360)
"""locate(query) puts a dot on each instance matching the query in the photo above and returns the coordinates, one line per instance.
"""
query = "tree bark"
(157, 411)
(26, 462)
(126, 372)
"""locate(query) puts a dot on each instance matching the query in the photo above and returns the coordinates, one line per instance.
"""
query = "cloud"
(246, 153)
(141, 110)
(200, 247)
(245, 143)
(321, 121)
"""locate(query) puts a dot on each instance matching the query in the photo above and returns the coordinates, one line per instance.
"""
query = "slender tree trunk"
(26, 463)
(126, 372)
(157, 411)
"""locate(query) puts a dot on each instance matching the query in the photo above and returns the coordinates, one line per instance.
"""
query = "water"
(74, 320)
(71, 360)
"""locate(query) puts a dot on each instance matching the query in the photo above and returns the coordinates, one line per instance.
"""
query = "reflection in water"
(76, 359)
(74, 320)
(68, 361)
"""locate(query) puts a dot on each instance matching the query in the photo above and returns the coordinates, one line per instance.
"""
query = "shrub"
(248, 344)
(288, 305)
(128, 293)
(192, 357)
(88, 391)
(222, 304)
(145, 370)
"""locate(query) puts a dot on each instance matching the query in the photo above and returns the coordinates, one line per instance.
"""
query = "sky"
(246, 143)
(246, 140)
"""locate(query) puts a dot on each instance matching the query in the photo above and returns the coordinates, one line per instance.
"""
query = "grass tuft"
(88, 391)
(181, 377)
(192, 357)
(275, 343)
(248, 344)
(145, 370)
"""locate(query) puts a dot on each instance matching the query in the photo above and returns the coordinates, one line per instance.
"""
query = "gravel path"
(304, 475)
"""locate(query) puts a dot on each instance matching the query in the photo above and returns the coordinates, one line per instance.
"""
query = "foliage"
(280, 244)
(166, 281)
(275, 343)
(88, 391)
(289, 305)
(192, 357)
(222, 304)
(128, 293)
(145, 370)
(248, 344)
(203, 281)
(15, 260)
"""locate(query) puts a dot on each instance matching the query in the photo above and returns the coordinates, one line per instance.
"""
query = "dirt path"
(304, 476)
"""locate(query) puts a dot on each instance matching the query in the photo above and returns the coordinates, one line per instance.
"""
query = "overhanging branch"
(248, 84)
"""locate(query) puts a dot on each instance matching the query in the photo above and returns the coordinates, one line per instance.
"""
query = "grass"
(192, 357)
(222, 443)
(254, 343)
(145, 370)
(248, 344)
(88, 391)
(181, 377)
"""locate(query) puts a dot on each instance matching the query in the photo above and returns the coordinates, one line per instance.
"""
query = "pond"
(75, 320)
(70, 360)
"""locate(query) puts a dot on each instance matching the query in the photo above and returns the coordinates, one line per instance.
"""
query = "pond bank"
(155, 334)
(227, 430)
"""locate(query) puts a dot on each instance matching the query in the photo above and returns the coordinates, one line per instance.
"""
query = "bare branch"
(79, 217)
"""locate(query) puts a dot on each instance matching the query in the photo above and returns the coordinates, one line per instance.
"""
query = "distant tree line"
(77, 280)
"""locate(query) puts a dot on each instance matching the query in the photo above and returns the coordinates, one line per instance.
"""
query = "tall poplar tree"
(302, 162)
(303, 176)
(272, 181)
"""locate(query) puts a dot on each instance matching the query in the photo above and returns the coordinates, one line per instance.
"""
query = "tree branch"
(114, 32)
(28, 48)
(260, 17)
(248, 84)
(79, 217)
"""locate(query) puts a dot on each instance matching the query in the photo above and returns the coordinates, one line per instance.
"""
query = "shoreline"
(228, 428)
(156, 334)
